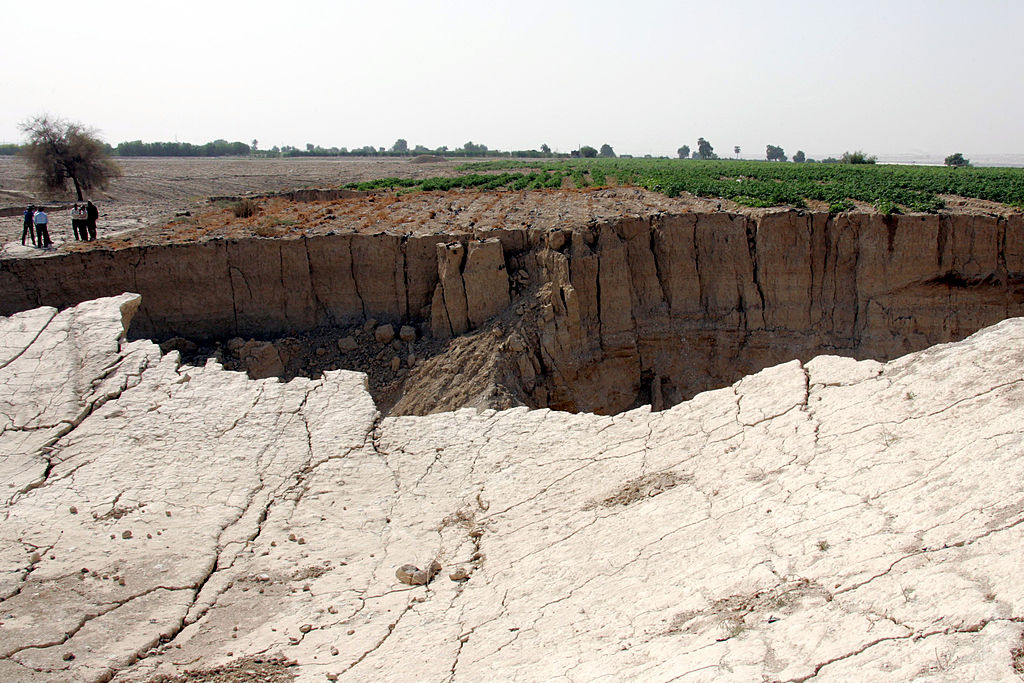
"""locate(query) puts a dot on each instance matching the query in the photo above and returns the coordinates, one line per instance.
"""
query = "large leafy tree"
(957, 160)
(61, 151)
(774, 153)
(705, 150)
(684, 152)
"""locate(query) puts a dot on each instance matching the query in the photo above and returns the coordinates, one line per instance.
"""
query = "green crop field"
(889, 188)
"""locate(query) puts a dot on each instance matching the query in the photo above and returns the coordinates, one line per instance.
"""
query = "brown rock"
(414, 576)
(486, 281)
(449, 309)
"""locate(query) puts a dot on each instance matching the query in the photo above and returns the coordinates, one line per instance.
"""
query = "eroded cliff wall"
(642, 309)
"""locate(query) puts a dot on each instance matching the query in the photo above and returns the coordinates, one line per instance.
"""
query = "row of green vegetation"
(534, 180)
(889, 188)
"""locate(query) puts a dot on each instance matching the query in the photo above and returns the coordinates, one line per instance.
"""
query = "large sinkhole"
(599, 317)
(646, 310)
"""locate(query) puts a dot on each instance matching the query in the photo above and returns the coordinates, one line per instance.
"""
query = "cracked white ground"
(837, 520)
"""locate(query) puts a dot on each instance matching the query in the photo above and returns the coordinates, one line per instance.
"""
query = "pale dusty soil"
(152, 190)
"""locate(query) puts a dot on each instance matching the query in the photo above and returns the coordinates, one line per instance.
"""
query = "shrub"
(857, 157)
(244, 208)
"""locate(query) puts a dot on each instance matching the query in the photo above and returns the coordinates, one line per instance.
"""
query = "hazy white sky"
(646, 76)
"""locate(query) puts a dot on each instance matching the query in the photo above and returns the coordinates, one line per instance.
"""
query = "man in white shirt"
(42, 233)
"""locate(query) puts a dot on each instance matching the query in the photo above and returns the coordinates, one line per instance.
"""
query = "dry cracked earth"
(833, 520)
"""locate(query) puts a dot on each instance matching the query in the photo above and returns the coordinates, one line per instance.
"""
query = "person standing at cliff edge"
(29, 225)
(78, 222)
(42, 233)
(91, 214)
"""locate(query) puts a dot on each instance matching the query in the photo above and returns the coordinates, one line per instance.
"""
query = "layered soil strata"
(601, 311)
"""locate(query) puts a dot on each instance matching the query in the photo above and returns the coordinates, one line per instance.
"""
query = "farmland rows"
(890, 189)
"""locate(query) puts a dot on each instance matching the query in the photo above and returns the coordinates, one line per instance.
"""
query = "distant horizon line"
(1007, 159)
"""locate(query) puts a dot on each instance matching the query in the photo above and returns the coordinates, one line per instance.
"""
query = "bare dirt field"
(168, 199)
(152, 190)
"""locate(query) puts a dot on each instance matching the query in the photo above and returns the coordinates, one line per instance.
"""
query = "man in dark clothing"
(29, 225)
(91, 214)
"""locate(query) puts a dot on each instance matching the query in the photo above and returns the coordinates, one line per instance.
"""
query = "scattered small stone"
(332, 676)
(126, 534)
(411, 360)
(347, 344)
(384, 334)
(516, 343)
(68, 656)
(120, 582)
(167, 512)
(351, 631)
(396, 363)
(459, 574)
(262, 577)
(73, 510)
(407, 333)
(369, 325)
(34, 557)
(414, 576)
(302, 541)
(292, 537)
(334, 652)
(305, 628)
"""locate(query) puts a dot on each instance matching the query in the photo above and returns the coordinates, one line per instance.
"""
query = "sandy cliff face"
(608, 315)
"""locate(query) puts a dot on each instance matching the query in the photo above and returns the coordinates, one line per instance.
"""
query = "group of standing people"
(83, 221)
(37, 224)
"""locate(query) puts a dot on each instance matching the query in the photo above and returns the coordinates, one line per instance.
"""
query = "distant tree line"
(401, 148)
(217, 148)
